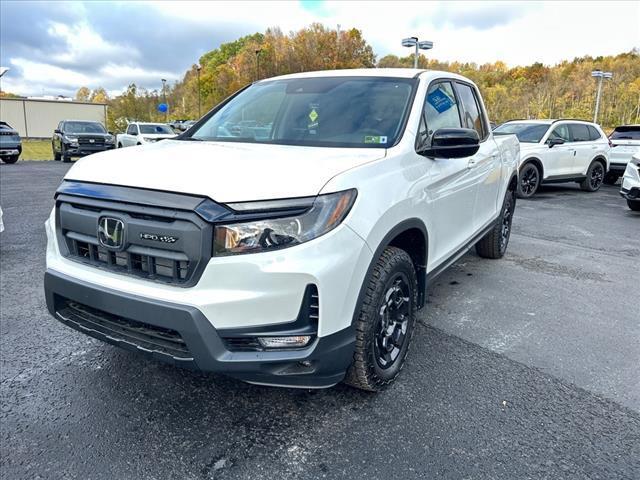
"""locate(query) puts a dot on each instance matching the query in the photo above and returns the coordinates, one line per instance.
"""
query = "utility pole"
(258, 63)
(198, 68)
(600, 75)
(164, 97)
(420, 45)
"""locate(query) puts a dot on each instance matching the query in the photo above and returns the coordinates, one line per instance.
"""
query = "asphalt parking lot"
(521, 368)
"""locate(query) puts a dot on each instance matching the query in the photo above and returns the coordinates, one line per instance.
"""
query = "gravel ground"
(521, 368)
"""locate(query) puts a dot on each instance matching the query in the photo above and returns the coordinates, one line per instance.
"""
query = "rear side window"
(440, 108)
(594, 134)
(630, 132)
(561, 132)
(579, 132)
(472, 117)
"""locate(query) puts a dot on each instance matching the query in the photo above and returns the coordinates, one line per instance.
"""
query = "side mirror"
(57, 131)
(554, 141)
(452, 143)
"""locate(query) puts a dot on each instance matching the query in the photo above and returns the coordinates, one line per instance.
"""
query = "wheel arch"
(537, 162)
(411, 236)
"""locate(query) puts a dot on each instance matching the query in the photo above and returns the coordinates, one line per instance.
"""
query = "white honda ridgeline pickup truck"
(288, 238)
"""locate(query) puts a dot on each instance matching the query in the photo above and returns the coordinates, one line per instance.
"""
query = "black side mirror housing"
(554, 141)
(57, 131)
(452, 143)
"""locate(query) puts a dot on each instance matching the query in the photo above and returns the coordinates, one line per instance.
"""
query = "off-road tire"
(595, 176)
(527, 187)
(56, 155)
(494, 244)
(634, 205)
(365, 372)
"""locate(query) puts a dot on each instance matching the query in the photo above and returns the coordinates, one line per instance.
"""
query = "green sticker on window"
(313, 115)
(375, 139)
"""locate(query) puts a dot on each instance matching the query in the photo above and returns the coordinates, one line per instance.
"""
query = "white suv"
(556, 151)
(295, 238)
(631, 183)
(625, 143)
(139, 133)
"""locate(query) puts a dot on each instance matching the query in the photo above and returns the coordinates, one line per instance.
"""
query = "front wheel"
(528, 180)
(595, 177)
(385, 322)
(494, 244)
(634, 205)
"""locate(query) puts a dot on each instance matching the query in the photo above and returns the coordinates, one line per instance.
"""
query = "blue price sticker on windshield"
(439, 100)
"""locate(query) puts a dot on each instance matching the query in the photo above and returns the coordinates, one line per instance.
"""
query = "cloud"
(58, 47)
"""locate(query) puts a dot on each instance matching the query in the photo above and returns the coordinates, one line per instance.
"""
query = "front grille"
(90, 141)
(145, 253)
(143, 336)
(149, 266)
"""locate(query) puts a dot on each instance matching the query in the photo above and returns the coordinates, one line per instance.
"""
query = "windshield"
(156, 129)
(323, 112)
(83, 127)
(526, 132)
(626, 133)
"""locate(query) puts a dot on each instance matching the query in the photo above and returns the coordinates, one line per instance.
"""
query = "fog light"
(285, 342)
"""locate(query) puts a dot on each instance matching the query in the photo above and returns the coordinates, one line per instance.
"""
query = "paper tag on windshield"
(374, 139)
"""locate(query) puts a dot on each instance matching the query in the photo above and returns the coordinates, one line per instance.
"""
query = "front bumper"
(199, 345)
(10, 150)
(83, 150)
(631, 181)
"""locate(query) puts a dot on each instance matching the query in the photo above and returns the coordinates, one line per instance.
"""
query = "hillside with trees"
(535, 91)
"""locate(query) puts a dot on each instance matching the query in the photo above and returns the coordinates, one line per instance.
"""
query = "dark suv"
(10, 143)
(77, 138)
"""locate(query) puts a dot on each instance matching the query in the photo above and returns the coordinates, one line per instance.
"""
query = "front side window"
(579, 132)
(526, 132)
(131, 130)
(323, 112)
(440, 109)
(83, 127)
(561, 132)
(472, 118)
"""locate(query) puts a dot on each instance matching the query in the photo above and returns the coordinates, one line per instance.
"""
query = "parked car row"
(556, 151)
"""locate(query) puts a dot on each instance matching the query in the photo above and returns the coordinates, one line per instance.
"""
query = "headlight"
(148, 139)
(71, 139)
(326, 213)
(109, 139)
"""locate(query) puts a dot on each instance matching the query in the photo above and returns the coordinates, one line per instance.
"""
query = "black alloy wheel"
(394, 315)
(597, 175)
(529, 181)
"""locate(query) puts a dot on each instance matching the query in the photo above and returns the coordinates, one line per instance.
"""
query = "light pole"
(164, 98)
(258, 64)
(599, 74)
(198, 68)
(420, 45)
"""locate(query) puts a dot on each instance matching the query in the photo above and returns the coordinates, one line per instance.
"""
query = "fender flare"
(408, 224)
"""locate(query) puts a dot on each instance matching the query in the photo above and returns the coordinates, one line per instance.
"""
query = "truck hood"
(223, 171)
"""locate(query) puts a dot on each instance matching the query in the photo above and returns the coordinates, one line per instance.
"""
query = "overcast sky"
(54, 48)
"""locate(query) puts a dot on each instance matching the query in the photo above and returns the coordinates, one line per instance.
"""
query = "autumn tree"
(82, 95)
